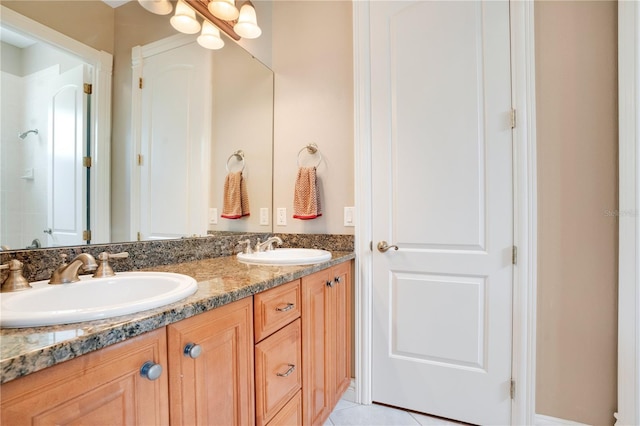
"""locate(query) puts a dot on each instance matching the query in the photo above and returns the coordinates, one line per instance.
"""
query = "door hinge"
(514, 255)
(139, 159)
(86, 162)
(512, 389)
(88, 88)
(513, 118)
(86, 235)
(139, 236)
(140, 83)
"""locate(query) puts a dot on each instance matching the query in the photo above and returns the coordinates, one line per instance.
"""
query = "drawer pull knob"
(150, 370)
(192, 350)
(337, 279)
(286, 308)
(329, 283)
(288, 372)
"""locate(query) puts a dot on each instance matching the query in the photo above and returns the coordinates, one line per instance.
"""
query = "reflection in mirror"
(237, 114)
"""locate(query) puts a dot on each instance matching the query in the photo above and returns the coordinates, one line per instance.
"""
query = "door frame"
(100, 126)
(525, 208)
(628, 412)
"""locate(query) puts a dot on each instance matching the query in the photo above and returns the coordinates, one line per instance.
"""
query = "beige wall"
(576, 90)
(313, 65)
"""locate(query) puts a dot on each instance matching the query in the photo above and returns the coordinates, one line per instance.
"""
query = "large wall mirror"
(160, 166)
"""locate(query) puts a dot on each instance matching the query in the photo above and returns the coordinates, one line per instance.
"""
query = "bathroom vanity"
(254, 345)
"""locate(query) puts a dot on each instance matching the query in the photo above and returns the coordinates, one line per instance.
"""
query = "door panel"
(175, 143)
(67, 130)
(442, 192)
(432, 301)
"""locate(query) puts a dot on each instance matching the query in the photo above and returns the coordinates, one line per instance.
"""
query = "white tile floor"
(349, 413)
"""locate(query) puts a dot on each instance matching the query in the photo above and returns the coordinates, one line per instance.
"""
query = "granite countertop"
(221, 280)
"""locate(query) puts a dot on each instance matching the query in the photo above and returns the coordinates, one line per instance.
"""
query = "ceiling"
(116, 3)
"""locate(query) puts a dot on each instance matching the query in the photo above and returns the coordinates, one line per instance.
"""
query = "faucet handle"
(14, 281)
(247, 249)
(104, 269)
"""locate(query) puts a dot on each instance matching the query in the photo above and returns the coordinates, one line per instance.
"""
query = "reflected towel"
(235, 202)
(306, 197)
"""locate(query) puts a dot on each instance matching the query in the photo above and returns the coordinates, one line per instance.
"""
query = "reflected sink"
(92, 298)
(285, 256)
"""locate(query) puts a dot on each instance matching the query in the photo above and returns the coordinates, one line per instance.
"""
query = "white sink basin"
(286, 256)
(92, 298)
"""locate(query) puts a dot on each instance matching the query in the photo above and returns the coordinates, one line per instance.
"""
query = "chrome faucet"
(68, 272)
(267, 244)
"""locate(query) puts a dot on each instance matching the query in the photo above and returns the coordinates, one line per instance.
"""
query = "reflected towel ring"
(312, 149)
(239, 154)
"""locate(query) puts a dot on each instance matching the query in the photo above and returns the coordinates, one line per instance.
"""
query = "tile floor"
(349, 413)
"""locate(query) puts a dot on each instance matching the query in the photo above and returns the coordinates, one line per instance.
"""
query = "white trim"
(362, 188)
(102, 63)
(629, 214)
(525, 207)
(542, 420)
(525, 211)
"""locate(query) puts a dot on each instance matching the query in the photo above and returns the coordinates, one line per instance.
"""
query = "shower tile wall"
(23, 180)
(10, 159)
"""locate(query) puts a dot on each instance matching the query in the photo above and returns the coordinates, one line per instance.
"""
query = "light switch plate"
(349, 216)
(264, 216)
(282, 216)
(213, 216)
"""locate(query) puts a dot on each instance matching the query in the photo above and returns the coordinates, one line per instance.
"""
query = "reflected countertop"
(220, 281)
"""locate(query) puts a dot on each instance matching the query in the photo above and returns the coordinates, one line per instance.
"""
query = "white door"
(67, 214)
(442, 192)
(175, 143)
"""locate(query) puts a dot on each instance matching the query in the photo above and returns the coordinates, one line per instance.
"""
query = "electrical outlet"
(349, 216)
(213, 216)
(264, 216)
(282, 216)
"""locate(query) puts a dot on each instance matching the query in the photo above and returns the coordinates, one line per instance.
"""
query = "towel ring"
(312, 149)
(239, 154)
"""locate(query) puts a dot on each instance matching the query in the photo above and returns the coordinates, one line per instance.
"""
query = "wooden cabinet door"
(316, 347)
(341, 329)
(326, 340)
(216, 388)
(101, 388)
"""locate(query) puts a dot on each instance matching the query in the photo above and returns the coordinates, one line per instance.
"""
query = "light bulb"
(210, 37)
(247, 25)
(184, 19)
(159, 7)
(224, 9)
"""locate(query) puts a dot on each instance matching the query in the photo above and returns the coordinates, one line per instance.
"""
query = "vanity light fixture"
(243, 24)
(224, 9)
(184, 20)
(210, 37)
(247, 25)
(159, 7)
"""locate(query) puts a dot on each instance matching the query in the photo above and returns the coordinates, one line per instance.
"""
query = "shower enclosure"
(44, 115)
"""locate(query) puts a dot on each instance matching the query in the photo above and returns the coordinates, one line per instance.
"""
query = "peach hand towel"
(235, 202)
(306, 197)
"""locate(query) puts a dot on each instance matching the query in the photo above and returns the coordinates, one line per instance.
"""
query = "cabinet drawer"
(278, 371)
(291, 414)
(275, 308)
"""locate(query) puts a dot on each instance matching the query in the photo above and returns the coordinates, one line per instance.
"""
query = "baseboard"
(542, 420)
(350, 393)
